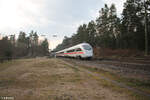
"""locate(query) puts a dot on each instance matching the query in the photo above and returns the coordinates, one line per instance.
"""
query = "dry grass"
(51, 79)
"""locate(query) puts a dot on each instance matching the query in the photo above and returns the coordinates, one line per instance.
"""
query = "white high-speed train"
(83, 50)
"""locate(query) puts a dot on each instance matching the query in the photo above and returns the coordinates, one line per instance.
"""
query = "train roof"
(78, 45)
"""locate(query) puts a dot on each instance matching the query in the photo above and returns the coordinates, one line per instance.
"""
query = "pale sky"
(49, 17)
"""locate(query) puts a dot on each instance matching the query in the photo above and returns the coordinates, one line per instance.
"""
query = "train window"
(86, 47)
(61, 52)
(71, 50)
(78, 49)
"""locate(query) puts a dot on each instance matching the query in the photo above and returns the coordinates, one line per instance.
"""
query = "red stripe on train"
(75, 53)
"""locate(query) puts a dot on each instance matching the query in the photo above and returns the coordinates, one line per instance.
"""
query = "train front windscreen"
(87, 47)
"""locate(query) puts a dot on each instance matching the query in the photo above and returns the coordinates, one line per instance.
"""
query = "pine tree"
(45, 47)
(132, 27)
(107, 26)
(22, 45)
(82, 33)
(91, 30)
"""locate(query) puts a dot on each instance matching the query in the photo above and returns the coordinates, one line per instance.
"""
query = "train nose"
(89, 52)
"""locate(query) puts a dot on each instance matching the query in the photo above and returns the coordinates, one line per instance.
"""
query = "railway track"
(122, 85)
(127, 69)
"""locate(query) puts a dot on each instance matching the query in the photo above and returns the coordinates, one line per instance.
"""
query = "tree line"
(111, 31)
(23, 46)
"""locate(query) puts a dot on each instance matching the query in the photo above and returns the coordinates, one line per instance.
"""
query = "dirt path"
(53, 79)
